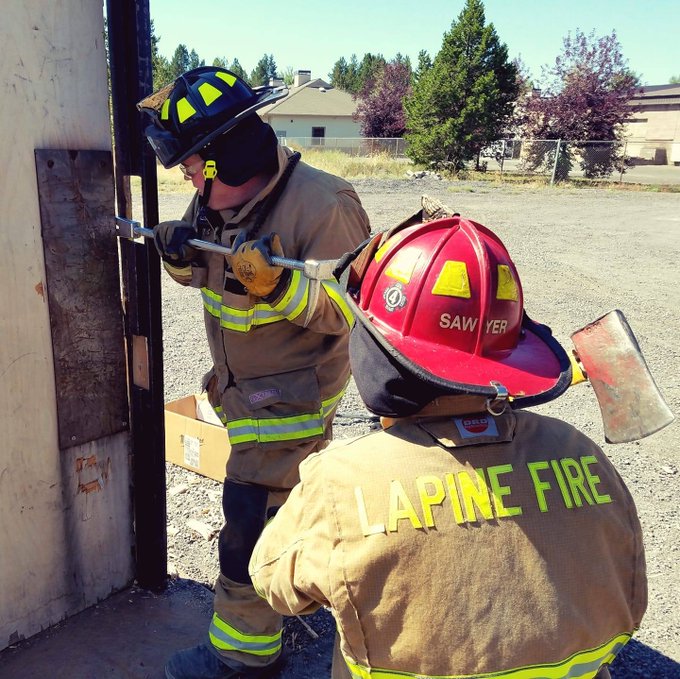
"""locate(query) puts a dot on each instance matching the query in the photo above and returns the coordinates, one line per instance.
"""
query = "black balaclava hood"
(245, 151)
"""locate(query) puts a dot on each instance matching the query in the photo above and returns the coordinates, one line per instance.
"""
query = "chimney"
(275, 82)
(302, 77)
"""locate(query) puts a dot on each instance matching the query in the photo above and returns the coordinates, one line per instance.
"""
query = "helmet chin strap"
(209, 174)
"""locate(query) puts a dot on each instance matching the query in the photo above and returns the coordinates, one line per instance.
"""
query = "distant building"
(312, 112)
(653, 131)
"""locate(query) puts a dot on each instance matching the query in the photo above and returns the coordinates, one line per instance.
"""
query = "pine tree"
(194, 60)
(465, 100)
(238, 70)
(159, 64)
(369, 68)
(338, 76)
(424, 65)
(265, 69)
(179, 62)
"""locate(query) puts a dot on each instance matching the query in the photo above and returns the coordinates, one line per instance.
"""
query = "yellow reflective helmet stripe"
(507, 285)
(402, 266)
(227, 638)
(227, 77)
(453, 280)
(184, 110)
(577, 666)
(209, 93)
(165, 110)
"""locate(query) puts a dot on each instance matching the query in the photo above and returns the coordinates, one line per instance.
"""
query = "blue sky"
(302, 34)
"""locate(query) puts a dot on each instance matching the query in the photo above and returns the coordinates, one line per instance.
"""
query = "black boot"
(200, 662)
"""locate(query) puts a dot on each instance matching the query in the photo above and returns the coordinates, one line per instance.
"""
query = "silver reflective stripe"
(227, 638)
(581, 665)
(240, 320)
(268, 430)
(294, 301)
(275, 429)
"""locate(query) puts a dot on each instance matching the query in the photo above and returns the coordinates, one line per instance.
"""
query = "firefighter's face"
(222, 196)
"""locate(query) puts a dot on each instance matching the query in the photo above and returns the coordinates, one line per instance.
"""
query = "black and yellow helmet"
(199, 106)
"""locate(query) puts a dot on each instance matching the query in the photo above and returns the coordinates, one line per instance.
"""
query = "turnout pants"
(245, 631)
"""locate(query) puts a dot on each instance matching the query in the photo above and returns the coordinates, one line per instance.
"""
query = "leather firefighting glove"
(170, 239)
(252, 264)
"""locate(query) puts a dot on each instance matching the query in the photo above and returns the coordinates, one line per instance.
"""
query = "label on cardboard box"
(192, 451)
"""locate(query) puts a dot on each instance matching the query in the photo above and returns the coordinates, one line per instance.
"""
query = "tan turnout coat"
(281, 366)
(462, 546)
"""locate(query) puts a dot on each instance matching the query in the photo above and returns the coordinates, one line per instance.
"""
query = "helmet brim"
(172, 150)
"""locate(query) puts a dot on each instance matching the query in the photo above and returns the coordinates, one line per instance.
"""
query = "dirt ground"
(580, 253)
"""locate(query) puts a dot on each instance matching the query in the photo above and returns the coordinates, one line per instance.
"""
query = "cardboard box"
(193, 444)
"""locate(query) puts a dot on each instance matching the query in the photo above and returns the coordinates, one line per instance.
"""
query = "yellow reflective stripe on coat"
(582, 665)
(227, 638)
(291, 428)
(239, 320)
(220, 413)
(333, 290)
(295, 299)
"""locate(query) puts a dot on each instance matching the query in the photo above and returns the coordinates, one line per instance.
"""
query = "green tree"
(237, 69)
(466, 99)
(338, 76)
(220, 62)
(265, 69)
(194, 60)
(159, 64)
(674, 80)
(424, 65)
(288, 75)
(369, 69)
(179, 62)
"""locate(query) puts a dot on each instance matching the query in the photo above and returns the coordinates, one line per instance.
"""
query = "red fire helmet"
(445, 300)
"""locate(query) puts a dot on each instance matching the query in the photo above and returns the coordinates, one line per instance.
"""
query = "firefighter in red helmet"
(278, 341)
(469, 538)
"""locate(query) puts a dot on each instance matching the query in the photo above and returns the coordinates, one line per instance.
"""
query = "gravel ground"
(580, 253)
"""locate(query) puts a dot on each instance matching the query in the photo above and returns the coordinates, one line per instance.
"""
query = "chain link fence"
(558, 160)
(553, 160)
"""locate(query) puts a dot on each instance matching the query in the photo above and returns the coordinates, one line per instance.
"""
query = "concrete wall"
(653, 134)
(63, 546)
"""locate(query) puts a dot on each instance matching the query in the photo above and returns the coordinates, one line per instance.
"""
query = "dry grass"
(377, 166)
(384, 166)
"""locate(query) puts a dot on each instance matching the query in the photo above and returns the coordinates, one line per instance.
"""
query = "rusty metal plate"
(83, 291)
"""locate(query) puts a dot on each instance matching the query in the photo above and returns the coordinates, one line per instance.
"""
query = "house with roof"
(313, 113)
(653, 130)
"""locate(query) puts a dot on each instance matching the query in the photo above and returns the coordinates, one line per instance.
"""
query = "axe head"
(631, 404)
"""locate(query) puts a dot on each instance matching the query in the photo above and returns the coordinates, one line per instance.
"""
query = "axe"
(608, 355)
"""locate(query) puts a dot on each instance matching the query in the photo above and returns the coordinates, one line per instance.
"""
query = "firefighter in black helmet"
(278, 341)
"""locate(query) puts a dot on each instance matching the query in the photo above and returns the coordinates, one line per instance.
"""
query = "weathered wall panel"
(81, 261)
(65, 536)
